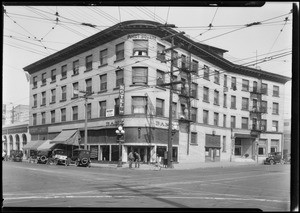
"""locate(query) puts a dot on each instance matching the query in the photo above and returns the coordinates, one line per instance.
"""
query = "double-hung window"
(232, 121)
(216, 119)
(225, 80)
(205, 116)
(255, 88)
(245, 103)
(233, 102)
(139, 75)
(264, 106)
(88, 83)
(103, 82)
(276, 91)
(43, 99)
(225, 100)
(194, 89)
(194, 114)
(75, 113)
(89, 62)
(34, 82)
(43, 114)
(245, 123)
(140, 47)
(205, 94)
(44, 79)
(139, 105)
(75, 89)
(119, 77)
(89, 111)
(160, 52)
(102, 105)
(183, 62)
(174, 110)
(160, 107)
(63, 93)
(276, 108)
(35, 100)
(263, 124)
(53, 75)
(64, 71)
(195, 66)
(52, 116)
(117, 106)
(63, 114)
(160, 77)
(217, 77)
(264, 89)
(175, 59)
(206, 72)
(76, 67)
(216, 97)
(275, 126)
(233, 83)
(120, 52)
(103, 57)
(34, 119)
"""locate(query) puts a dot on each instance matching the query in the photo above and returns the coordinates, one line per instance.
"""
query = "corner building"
(223, 111)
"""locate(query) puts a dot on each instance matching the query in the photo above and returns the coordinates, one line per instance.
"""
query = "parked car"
(80, 157)
(273, 158)
(16, 155)
(43, 156)
(60, 156)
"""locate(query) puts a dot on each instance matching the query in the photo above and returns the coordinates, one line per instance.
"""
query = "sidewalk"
(177, 166)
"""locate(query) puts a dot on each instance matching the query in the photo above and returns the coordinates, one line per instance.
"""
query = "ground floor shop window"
(114, 153)
(261, 151)
(238, 147)
(104, 152)
(94, 152)
(212, 154)
(262, 147)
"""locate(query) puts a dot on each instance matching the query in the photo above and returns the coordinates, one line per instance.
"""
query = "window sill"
(138, 56)
(52, 81)
(52, 102)
(216, 104)
(88, 70)
(225, 107)
(233, 108)
(43, 85)
(42, 105)
(245, 90)
(74, 98)
(194, 144)
(63, 100)
(276, 96)
(121, 59)
(103, 65)
(162, 88)
(74, 74)
(217, 83)
(206, 79)
(138, 85)
(275, 113)
(116, 88)
(63, 78)
(34, 87)
(205, 101)
(34, 107)
(102, 91)
(245, 109)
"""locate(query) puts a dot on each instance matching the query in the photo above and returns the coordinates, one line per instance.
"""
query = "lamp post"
(120, 132)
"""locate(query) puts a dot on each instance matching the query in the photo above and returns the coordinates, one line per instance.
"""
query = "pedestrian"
(137, 160)
(4, 155)
(130, 159)
(157, 163)
(165, 159)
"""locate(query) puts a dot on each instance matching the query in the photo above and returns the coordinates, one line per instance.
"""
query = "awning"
(33, 145)
(243, 136)
(69, 137)
(46, 145)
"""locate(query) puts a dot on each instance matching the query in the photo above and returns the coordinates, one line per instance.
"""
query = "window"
(275, 108)
(52, 116)
(233, 83)
(75, 113)
(217, 77)
(43, 114)
(160, 77)
(225, 80)
(275, 126)
(224, 120)
(139, 105)
(274, 145)
(139, 75)
(262, 147)
(63, 93)
(119, 77)
(206, 72)
(160, 52)
(216, 97)
(75, 88)
(224, 144)
(53, 75)
(89, 111)
(195, 66)
(233, 102)
(194, 114)
(117, 106)
(35, 100)
(263, 124)
(76, 67)
(53, 95)
(216, 119)
(205, 116)
(64, 71)
(245, 85)
(183, 110)
(34, 118)
(160, 107)
(237, 147)
(174, 110)
(225, 100)
(175, 59)
(193, 137)
(276, 91)
(245, 103)
(232, 122)
(264, 106)
(120, 51)
(88, 84)
(140, 47)
(245, 123)
(34, 82)
(264, 89)
(89, 62)
(102, 105)
(254, 86)
(44, 79)
(194, 89)
(103, 57)
(255, 106)
(43, 99)
(103, 82)
(183, 62)
(63, 114)
(206, 94)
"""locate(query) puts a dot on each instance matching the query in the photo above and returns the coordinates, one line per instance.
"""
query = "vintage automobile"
(43, 156)
(16, 155)
(80, 157)
(274, 158)
(59, 156)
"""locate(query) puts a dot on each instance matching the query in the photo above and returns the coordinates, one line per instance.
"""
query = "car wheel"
(272, 162)
(84, 161)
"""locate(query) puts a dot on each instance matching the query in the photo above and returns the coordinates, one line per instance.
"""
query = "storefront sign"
(110, 112)
(121, 98)
(17, 130)
(38, 130)
(164, 124)
(141, 36)
(115, 122)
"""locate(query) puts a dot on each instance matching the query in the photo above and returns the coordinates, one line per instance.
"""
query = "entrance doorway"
(144, 152)
(212, 154)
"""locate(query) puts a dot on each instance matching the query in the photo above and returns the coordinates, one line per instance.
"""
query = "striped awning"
(33, 145)
(46, 146)
(69, 137)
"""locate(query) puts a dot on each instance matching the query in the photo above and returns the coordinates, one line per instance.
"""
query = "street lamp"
(120, 132)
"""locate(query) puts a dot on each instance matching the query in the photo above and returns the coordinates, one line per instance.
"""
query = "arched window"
(24, 137)
(18, 142)
(11, 142)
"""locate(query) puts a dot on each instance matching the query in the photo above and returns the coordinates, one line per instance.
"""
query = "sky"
(250, 34)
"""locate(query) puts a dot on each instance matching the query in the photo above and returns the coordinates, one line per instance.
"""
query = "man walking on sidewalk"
(130, 159)
(137, 160)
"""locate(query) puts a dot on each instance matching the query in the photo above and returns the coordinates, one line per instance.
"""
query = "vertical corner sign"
(121, 98)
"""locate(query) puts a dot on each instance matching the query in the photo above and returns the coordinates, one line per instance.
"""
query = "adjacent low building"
(224, 112)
